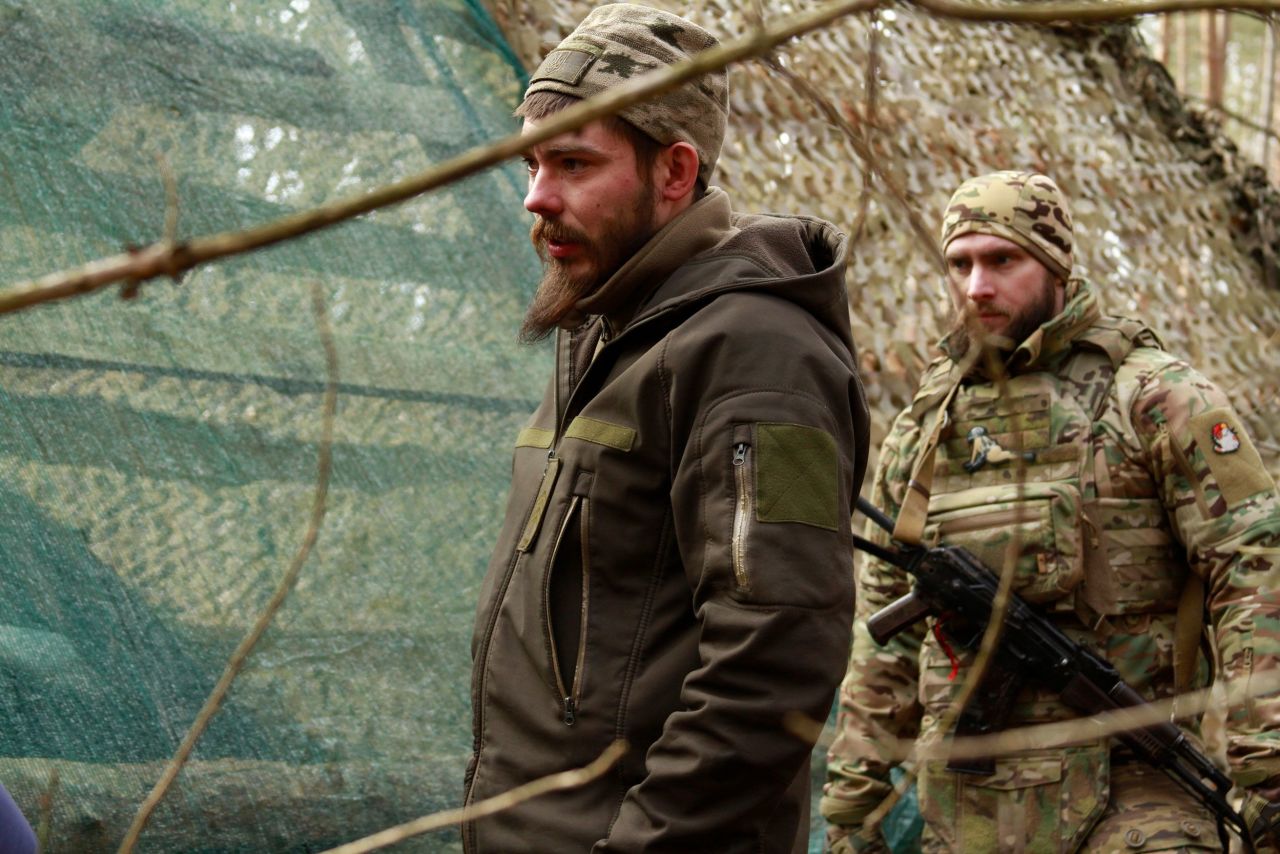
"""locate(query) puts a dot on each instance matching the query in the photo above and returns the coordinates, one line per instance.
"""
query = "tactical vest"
(1020, 472)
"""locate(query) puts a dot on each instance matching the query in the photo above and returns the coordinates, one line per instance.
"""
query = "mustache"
(545, 230)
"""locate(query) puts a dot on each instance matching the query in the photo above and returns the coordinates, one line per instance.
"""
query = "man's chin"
(555, 303)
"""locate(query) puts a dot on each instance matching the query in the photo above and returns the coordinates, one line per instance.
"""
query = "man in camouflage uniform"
(675, 566)
(1122, 485)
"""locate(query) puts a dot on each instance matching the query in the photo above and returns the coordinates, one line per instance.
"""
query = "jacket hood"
(708, 250)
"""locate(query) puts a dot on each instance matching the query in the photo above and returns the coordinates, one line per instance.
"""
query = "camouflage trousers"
(1146, 811)
(1149, 812)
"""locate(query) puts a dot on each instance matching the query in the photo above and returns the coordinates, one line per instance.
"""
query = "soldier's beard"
(967, 328)
(560, 289)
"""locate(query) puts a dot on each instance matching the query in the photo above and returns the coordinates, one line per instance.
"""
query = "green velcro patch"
(534, 437)
(601, 433)
(797, 475)
(1232, 459)
(568, 64)
(539, 508)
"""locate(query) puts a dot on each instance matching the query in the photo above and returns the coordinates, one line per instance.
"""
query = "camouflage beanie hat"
(1025, 207)
(622, 40)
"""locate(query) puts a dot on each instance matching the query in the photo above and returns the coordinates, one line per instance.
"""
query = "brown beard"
(966, 328)
(559, 291)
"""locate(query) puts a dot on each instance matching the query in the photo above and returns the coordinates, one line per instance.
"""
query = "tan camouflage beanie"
(1025, 207)
(622, 40)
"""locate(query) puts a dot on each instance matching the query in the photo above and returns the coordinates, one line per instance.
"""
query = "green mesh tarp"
(158, 457)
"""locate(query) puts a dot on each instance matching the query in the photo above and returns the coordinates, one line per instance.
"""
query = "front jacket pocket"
(1040, 521)
(1044, 803)
(566, 601)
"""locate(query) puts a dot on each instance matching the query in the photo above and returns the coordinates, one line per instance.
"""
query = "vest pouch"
(1040, 521)
(1148, 566)
(1045, 802)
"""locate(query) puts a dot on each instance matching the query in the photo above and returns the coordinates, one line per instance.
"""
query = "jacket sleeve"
(1224, 508)
(765, 454)
(879, 695)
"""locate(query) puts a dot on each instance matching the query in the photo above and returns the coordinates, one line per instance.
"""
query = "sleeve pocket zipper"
(744, 508)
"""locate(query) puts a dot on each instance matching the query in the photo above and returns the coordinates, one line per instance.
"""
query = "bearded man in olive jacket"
(674, 567)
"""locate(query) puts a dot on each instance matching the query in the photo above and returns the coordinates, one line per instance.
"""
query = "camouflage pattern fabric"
(1025, 207)
(1150, 812)
(622, 40)
(1176, 487)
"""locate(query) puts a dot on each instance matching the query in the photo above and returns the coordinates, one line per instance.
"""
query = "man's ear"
(678, 171)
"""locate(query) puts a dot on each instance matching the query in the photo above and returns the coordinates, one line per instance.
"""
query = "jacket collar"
(1050, 341)
(701, 226)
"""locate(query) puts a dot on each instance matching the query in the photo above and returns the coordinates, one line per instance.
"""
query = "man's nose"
(543, 197)
(979, 286)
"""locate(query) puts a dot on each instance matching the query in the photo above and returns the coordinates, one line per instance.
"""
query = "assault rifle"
(955, 588)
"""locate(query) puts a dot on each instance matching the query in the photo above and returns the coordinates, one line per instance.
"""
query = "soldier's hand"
(858, 843)
(1263, 818)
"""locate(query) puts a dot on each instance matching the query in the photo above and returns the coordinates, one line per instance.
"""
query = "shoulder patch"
(1230, 455)
(534, 437)
(569, 63)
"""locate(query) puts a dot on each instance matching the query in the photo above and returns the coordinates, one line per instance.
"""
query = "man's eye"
(531, 166)
(572, 164)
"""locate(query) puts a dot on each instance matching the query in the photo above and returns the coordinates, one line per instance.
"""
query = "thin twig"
(868, 129)
(1079, 11)
(324, 467)
(1075, 730)
(807, 90)
(1231, 114)
(505, 801)
(44, 828)
(171, 201)
(174, 259)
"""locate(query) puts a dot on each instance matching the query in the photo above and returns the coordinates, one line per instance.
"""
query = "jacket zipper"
(579, 666)
(477, 695)
(570, 699)
(743, 511)
(549, 472)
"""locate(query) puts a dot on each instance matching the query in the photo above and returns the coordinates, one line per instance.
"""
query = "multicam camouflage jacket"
(1120, 473)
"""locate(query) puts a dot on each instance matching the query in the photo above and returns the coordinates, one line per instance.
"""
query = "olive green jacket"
(674, 569)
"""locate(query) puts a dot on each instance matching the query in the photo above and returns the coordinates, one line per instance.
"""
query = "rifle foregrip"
(896, 616)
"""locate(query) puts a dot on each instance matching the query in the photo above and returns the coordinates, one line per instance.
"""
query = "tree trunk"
(1184, 52)
(1212, 53)
(1269, 94)
(1166, 39)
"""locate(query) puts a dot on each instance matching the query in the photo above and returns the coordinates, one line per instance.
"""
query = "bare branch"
(1080, 11)
(44, 828)
(1077, 730)
(173, 259)
(807, 90)
(552, 783)
(324, 466)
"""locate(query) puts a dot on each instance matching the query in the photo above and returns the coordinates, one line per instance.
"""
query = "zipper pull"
(570, 712)
(740, 454)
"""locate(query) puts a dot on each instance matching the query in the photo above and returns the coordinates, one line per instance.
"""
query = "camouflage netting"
(158, 457)
(1169, 220)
